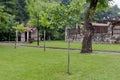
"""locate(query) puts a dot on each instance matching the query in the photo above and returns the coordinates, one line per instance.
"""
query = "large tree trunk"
(88, 28)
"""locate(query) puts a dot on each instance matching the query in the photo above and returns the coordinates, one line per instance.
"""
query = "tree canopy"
(52, 13)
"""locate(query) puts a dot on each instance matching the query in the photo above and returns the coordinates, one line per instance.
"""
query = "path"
(22, 44)
(100, 51)
(10, 44)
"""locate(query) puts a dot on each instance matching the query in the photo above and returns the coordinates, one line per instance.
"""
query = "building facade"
(104, 33)
(29, 34)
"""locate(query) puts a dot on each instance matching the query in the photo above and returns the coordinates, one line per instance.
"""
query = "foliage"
(102, 3)
(4, 20)
(7, 36)
(16, 8)
(67, 15)
(39, 12)
(11, 12)
(52, 15)
(19, 28)
(112, 12)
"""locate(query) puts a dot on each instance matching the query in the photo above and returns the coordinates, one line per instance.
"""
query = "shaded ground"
(23, 44)
(78, 45)
(101, 51)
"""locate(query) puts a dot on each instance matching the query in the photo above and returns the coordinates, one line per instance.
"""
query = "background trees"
(4, 19)
(112, 12)
(11, 12)
(54, 16)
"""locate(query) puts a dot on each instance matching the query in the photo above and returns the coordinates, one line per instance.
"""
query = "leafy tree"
(39, 13)
(11, 11)
(15, 8)
(18, 28)
(54, 15)
(67, 15)
(22, 15)
(4, 20)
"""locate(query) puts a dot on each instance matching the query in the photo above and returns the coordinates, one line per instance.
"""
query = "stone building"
(104, 33)
(29, 34)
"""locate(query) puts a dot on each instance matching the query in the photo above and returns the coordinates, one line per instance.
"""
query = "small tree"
(18, 28)
(45, 23)
(37, 10)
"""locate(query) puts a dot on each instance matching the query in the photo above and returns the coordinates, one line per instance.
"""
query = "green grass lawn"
(77, 45)
(35, 64)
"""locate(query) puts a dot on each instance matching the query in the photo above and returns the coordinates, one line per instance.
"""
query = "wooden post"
(27, 36)
(68, 52)
(38, 29)
(16, 39)
(66, 33)
(38, 36)
(44, 40)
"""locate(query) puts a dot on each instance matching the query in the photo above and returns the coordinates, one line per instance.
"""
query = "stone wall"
(106, 38)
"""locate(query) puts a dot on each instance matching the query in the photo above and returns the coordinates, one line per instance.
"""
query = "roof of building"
(100, 25)
(30, 29)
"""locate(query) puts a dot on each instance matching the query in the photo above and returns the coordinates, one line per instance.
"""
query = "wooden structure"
(76, 34)
(115, 26)
(100, 27)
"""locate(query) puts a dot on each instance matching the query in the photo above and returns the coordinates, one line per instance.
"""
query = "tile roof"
(100, 25)
(30, 29)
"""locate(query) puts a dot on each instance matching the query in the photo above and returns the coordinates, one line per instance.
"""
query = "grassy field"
(77, 45)
(35, 64)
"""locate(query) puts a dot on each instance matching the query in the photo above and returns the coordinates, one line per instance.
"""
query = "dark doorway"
(29, 35)
(25, 36)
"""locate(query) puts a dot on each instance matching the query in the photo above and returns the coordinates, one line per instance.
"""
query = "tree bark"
(38, 36)
(16, 39)
(38, 29)
(44, 40)
(88, 28)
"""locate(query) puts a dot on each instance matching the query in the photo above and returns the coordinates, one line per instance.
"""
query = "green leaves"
(8, 9)
(67, 15)
(102, 4)
(4, 20)
(19, 28)
(53, 14)
(44, 20)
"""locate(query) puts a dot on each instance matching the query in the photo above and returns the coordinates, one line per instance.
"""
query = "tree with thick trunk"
(88, 28)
